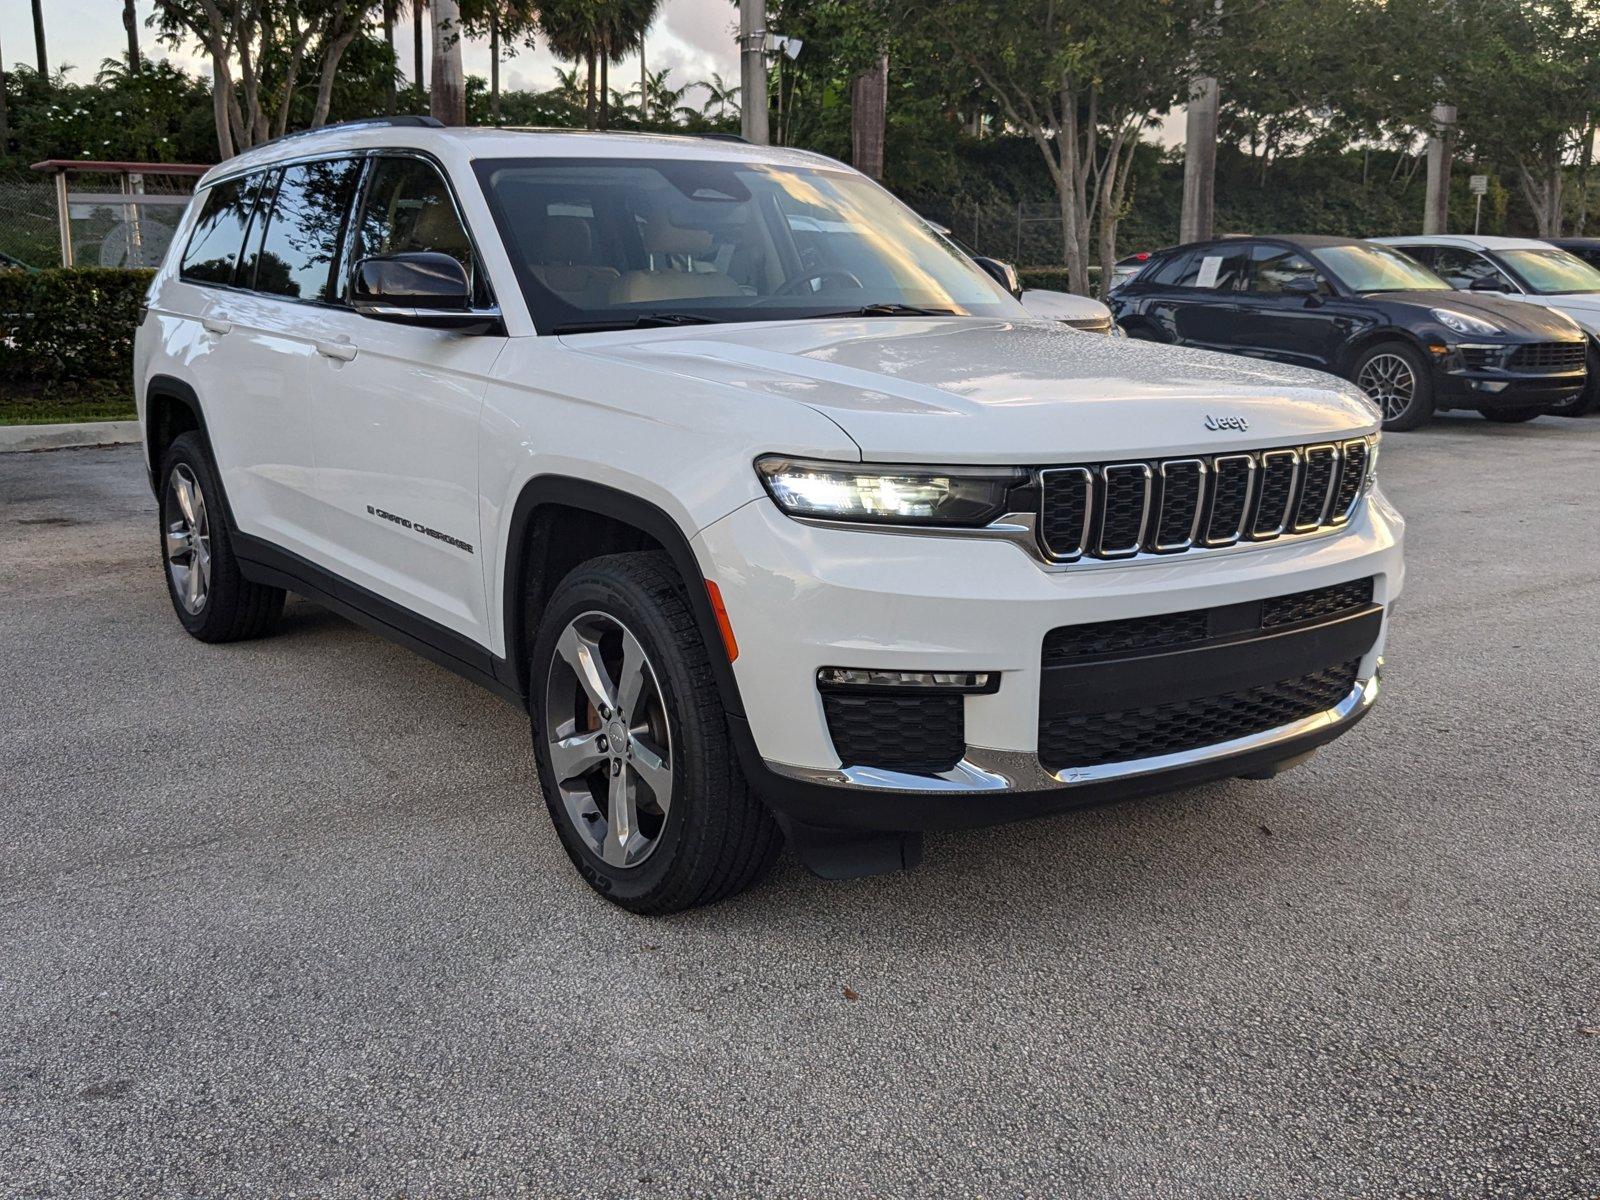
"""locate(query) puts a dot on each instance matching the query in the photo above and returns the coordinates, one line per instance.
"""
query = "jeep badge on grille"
(1238, 423)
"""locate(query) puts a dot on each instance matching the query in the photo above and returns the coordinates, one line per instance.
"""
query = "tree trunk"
(220, 87)
(1585, 160)
(5, 113)
(38, 39)
(869, 102)
(130, 22)
(588, 94)
(644, 84)
(605, 85)
(1441, 148)
(340, 41)
(448, 86)
(390, 99)
(1198, 220)
(494, 66)
(416, 44)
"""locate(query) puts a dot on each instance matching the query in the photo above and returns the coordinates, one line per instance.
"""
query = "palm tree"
(719, 95)
(130, 22)
(599, 32)
(569, 26)
(38, 40)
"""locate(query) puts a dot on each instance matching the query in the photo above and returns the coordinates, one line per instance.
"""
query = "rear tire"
(632, 745)
(213, 599)
(1395, 378)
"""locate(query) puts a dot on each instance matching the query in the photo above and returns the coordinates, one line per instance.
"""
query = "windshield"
(609, 243)
(1551, 272)
(1379, 269)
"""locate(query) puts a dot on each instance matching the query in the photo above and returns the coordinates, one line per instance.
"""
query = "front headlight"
(967, 496)
(1462, 322)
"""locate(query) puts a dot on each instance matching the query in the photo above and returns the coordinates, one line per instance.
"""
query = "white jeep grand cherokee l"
(781, 518)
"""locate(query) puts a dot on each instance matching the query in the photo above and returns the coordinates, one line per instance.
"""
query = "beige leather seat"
(663, 239)
(566, 267)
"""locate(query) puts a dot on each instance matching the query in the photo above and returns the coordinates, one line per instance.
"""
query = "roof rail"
(400, 122)
(722, 137)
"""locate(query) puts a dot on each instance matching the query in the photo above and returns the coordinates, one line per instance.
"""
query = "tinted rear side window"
(213, 249)
(302, 235)
(1222, 267)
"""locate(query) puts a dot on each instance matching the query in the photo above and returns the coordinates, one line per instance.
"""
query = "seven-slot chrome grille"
(1121, 509)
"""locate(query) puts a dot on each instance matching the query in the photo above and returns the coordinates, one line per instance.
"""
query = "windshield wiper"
(641, 321)
(888, 310)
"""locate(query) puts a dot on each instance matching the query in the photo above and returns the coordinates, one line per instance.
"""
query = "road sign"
(1480, 185)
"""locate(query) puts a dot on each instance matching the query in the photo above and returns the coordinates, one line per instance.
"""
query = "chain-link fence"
(1025, 235)
(116, 218)
(28, 230)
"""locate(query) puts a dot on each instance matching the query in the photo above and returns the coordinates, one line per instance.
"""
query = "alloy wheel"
(1389, 381)
(187, 539)
(605, 725)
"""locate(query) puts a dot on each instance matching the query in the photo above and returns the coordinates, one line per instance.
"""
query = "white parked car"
(780, 517)
(1520, 269)
(1080, 312)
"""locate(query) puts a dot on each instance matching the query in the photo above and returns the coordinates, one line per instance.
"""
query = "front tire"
(213, 599)
(1395, 378)
(632, 744)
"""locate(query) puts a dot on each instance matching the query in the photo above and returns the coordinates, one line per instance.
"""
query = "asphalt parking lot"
(288, 918)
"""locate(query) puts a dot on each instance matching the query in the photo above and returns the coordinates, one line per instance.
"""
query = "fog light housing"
(922, 681)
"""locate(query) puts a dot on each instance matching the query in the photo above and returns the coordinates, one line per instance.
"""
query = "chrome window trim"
(1144, 515)
(1045, 475)
(1214, 543)
(1300, 526)
(1257, 534)
(1199, 505)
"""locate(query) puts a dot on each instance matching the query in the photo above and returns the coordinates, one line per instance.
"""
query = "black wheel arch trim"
(1368, 338)
(572, 492)
(168, 387)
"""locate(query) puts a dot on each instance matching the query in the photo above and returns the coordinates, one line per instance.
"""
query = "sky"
(691, 38)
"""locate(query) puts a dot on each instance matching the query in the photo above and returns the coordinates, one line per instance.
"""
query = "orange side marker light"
(724, 626)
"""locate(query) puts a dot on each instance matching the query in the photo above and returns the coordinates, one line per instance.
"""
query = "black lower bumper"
(1499, 391)
(832, 806)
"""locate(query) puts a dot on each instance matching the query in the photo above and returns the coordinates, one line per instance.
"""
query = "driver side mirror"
(1487, 283)
(1002, 273)
(420, 288)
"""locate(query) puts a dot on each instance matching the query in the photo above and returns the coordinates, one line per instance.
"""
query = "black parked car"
(1586, 248)
(1371, 314)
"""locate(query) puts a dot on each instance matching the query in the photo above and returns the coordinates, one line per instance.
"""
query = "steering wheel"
(796, 286)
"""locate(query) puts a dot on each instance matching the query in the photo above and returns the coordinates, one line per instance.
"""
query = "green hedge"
(69, 325)
(1054, 279)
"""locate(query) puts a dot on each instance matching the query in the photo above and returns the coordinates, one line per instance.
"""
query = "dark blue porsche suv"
(1366, 312)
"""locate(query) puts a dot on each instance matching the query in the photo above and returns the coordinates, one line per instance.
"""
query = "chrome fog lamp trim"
(873, 677)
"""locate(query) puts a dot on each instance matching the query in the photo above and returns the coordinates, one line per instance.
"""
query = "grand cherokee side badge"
(1238, 423)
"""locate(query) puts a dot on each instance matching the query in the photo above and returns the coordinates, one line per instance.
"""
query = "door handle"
(215, 324)
(339, 351)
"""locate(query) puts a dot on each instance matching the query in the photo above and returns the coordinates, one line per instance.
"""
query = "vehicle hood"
(980, 390)
(1517, 319)
(1582, 307)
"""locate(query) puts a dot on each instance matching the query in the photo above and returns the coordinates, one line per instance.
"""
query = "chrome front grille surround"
(1122, 509)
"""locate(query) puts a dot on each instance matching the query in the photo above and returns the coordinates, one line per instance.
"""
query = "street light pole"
(753, 70)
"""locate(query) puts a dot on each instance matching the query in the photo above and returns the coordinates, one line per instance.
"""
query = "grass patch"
(65, 403)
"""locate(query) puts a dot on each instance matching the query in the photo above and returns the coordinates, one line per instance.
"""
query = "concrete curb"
(62, 437)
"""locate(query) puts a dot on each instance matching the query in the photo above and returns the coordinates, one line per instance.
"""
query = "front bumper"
(1501, 390)
(801, 597)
